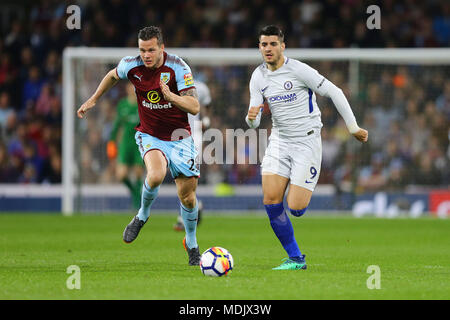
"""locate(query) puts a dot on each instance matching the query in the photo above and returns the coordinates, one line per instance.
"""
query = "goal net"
(400, 95)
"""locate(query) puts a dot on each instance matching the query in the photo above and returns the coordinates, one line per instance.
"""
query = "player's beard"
(274, 60)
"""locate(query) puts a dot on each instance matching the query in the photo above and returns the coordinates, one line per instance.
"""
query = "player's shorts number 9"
(313, 172)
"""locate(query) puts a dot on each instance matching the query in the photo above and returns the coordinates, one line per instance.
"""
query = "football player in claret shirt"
(165, 93)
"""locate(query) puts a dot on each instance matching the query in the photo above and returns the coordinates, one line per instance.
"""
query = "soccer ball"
(216, 262)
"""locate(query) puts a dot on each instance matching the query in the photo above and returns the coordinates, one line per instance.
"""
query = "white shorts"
(298, 161)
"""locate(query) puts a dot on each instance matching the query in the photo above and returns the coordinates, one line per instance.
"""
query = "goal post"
(83, 69)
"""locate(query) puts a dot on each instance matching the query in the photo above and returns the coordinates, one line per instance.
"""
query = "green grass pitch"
(35, 250)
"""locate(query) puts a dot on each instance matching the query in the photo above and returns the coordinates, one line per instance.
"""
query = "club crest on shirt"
(165, 77)
(288, 85)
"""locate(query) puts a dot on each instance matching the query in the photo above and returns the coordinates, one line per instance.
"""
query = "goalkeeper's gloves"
(111, 149)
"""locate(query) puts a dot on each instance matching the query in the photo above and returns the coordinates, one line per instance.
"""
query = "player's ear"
(283, 46)
(162, 46)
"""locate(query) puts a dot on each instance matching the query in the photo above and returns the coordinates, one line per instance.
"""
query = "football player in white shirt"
(294, 154)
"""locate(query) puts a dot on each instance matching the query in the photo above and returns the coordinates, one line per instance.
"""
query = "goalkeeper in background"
(128, 157)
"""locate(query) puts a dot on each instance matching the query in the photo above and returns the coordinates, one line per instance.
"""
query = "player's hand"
(166, 91)
(85, 107)
(253, 112)
(111, 149)
(361, 135)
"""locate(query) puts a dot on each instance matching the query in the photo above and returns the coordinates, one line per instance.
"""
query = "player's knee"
(121, 175)
(297, 204)
(298, 212)
(154, 180)
(188, 200)
(271, 199)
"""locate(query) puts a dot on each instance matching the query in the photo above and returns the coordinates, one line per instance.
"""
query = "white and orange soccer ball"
(216, 262)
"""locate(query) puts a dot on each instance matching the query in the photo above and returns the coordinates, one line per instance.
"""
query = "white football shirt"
(290, 92)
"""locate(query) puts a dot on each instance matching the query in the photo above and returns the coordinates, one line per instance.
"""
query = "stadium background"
(406, 109)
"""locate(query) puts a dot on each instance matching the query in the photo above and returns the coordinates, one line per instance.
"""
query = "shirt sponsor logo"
(188, 79)
(284, 98)
(156, 105)
(154, 98)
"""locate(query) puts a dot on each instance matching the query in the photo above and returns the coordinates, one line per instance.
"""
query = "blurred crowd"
(406, 109)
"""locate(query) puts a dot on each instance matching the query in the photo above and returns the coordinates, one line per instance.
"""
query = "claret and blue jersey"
(158, 117)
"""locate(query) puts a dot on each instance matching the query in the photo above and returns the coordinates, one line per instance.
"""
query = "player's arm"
(186, 101)
(256, 105)
(107, 83)
(344, 109)
(324, 87)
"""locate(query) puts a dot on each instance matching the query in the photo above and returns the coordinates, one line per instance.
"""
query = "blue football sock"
(282, 226)
(147, 198)
(298, 213)
(190, 217)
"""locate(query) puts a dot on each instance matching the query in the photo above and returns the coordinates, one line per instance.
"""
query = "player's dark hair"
(272, 30)
(148, 33)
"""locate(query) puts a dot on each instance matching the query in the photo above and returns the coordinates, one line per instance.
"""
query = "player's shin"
(282, 227)
(148, 196)
(136, 193)
(190, 217)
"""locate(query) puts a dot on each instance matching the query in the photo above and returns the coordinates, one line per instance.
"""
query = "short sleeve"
(183, 76)
(126, 64)
(122, 68)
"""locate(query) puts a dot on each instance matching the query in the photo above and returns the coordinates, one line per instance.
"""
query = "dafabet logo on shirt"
(153, 96)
